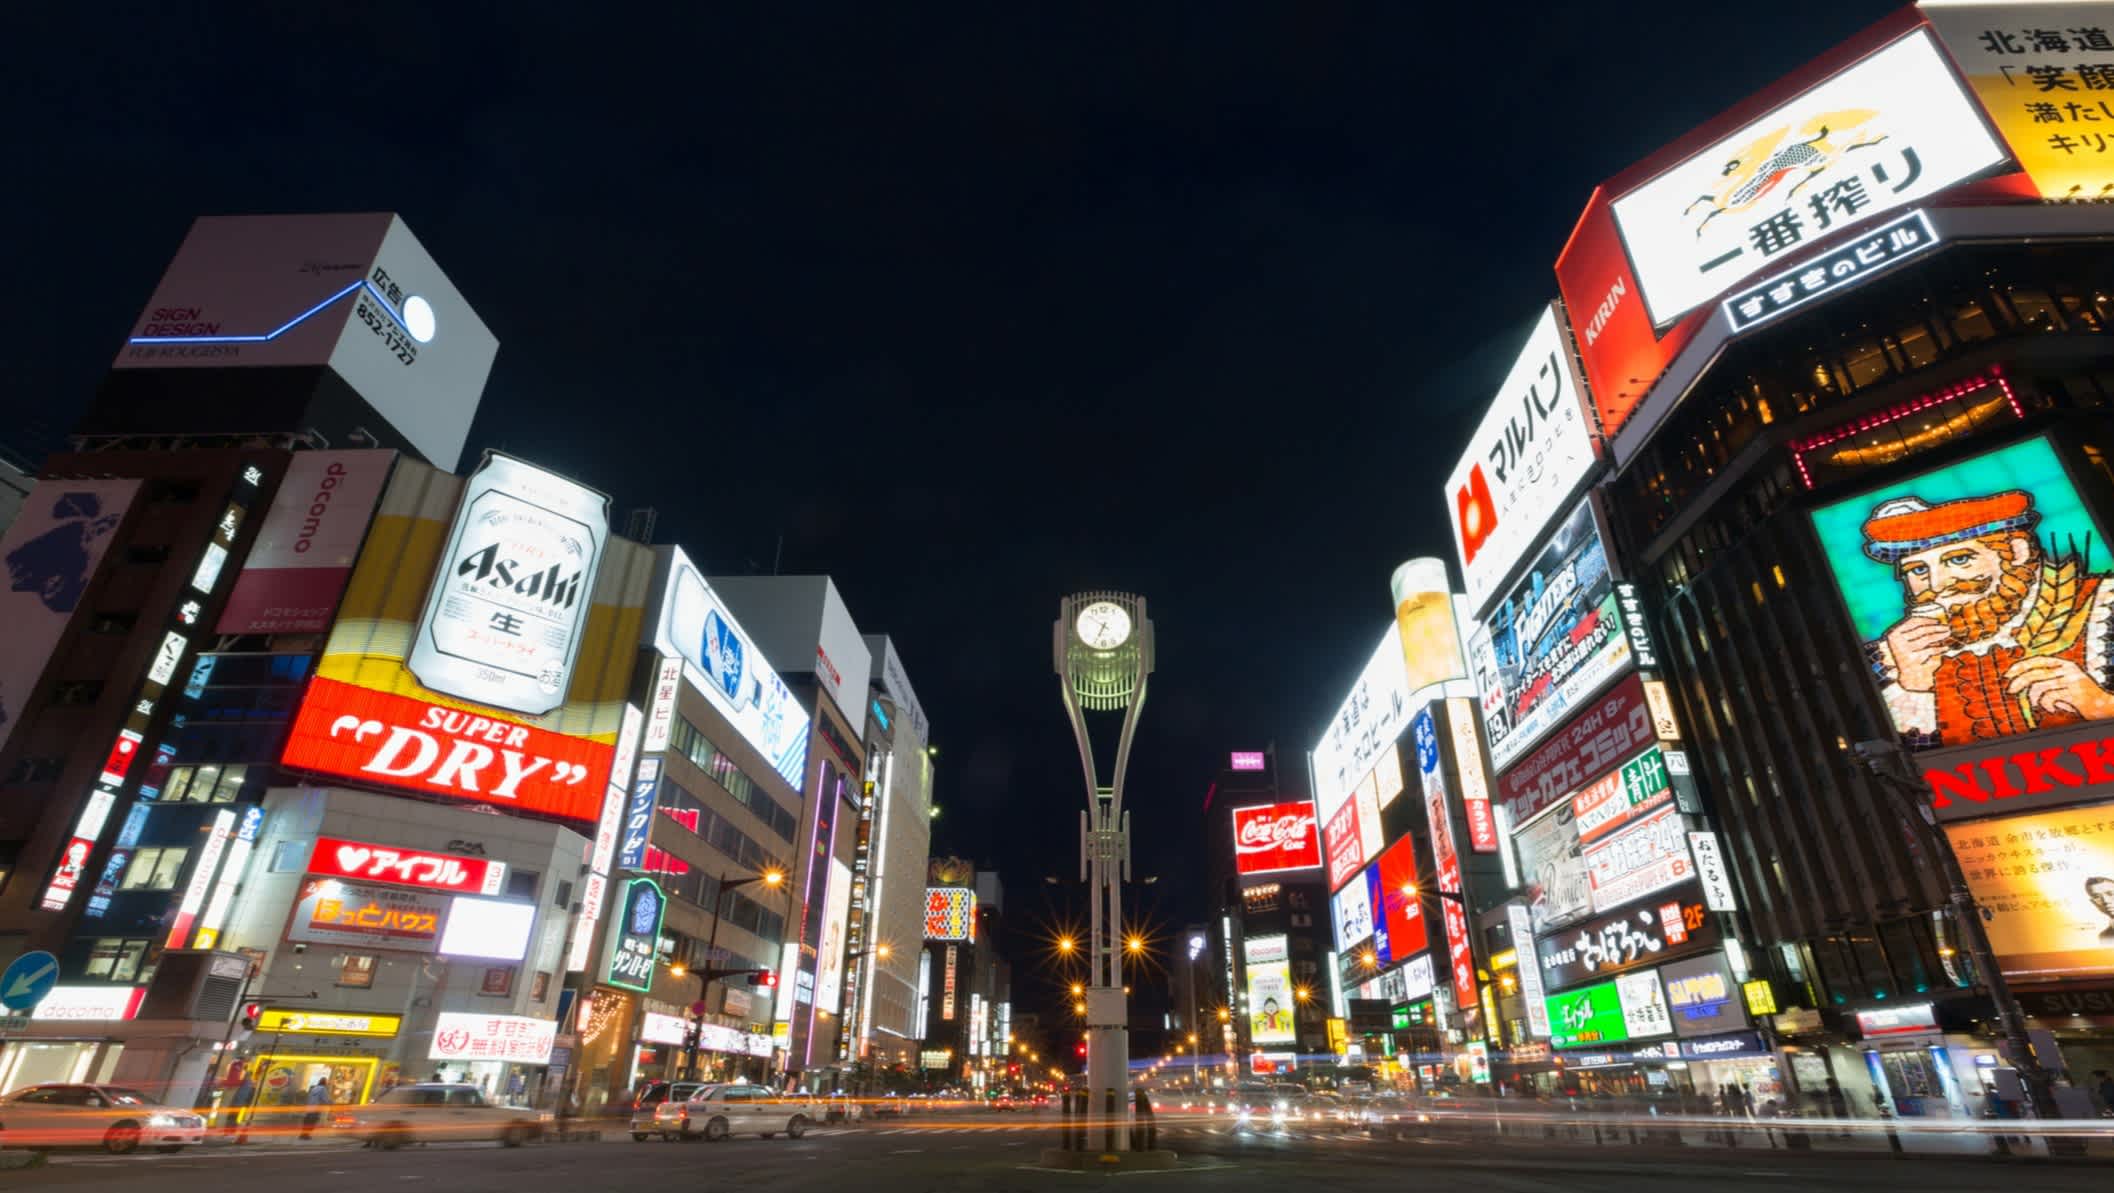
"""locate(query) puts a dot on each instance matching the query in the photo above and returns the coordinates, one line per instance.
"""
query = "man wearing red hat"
(2000, 637)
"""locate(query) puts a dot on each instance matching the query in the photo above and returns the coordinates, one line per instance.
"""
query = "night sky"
(969, 311)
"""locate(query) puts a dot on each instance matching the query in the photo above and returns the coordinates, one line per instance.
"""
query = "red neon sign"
(379, 737)
(399, 866)
(1275, 837)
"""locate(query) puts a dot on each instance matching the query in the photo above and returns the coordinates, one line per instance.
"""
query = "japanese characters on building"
(2044, 74)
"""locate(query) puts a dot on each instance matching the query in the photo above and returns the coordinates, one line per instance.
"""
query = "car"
(111, 1117)
(1040, 1101)
(736, 1108)
(1002, 1102)
(430, 1111)
(650, 1096)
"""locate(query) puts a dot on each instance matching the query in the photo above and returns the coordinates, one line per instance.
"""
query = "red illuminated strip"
(1894, 414)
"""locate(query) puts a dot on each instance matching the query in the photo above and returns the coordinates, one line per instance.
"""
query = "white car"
(436, 1110)
(717, 1111)
(110, 1117)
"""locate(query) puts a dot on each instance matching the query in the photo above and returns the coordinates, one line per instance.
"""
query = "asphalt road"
(1003, 1152)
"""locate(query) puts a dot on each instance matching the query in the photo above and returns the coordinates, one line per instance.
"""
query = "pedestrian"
(1838, 1108)
(1771, 1110)
(1729, 1107)
(318, 1097)
(238, 1101)
(2105, 1090)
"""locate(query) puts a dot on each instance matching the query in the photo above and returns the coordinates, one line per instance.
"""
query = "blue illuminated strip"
(289, 325)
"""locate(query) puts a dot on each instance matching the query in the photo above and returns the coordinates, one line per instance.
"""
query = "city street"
(992, 1152)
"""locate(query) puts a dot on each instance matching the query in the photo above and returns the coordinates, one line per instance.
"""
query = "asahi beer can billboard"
(502, 621)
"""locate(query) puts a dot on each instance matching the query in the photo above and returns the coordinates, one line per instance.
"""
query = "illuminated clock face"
(1103, 625)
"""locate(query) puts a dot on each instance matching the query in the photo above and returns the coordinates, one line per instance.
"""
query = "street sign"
(27, 980)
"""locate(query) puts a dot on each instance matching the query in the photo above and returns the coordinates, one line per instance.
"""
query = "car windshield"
(126, 1097)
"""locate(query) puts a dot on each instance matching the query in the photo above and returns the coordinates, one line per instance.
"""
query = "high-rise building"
(888, 903)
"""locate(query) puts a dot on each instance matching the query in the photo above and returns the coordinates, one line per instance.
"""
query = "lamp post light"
(712, 972)
(1102, 648)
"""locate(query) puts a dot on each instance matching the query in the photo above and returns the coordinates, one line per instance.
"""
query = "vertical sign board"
(1710, 868)
(1525, 462)
(1430, 768)
(638, 935)
(720, 660)
(306, 546)
(1371, 718)
(1531, 991)
(503, 618)
(52, 552)
(1475, 784)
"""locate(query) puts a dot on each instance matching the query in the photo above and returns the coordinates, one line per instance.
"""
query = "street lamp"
(1415, 892)
(773, 878)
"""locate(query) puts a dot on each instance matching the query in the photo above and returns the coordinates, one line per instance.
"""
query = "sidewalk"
(1915, 1138)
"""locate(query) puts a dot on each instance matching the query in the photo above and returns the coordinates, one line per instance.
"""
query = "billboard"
(1550, 642)
(2045, 882)
(721, 660)
(1892, 129)
(1398, 914)
(1475, 782)
(1345, 839)
(1621, 352)
(505, 611)
(1459, 947)
(334, 857)
(517, 1039)
(333, 911)
(1275, 837)
(1552, 870)
(1614, 726)
(52, 551)
(1973, 587)
(1270, 1003)
(2029, 64)
(950, 913)
(1622, 796)
(1424, 613)
(1702, 996)
(1524, 463)
(1247, 760)
(1372, 717)
(356, 292)
(366, 718)
(1586, 1017)
(1648, 856)
(305, 547)
(829, 962)
(1353, 908)
(1675, 924)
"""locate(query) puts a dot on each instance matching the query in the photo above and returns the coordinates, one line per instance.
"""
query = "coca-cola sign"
(1276, 837)
(382, 738)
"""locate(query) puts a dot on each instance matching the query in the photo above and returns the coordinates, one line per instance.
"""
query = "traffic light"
(251, 1013)
(1082, 1051)
(766, 978)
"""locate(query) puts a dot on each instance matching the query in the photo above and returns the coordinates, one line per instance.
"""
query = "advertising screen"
(1275, 837)
(1702, 996)
(721, 660)
(52, 551)
(1398, 915)
(1972, 588)
(1523, 464)
(2023, 61)
(1648, 856)
(950, 913)
(1552, 869)
(1586, 1017)
(489, 929)
(1353, 906)
(2046, 885)
(1550, 642)
(306, 545)
(506, 610)
(1270, 1003)
(1891, 130)
(1671, 926)
(1372, 717)
(365, 717)
(829, 962)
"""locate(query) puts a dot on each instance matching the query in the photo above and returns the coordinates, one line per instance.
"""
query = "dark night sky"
(972, 309)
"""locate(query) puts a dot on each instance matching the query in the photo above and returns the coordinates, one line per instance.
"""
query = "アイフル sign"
(402, 866)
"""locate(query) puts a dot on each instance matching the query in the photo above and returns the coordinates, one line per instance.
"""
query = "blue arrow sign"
(27, 980)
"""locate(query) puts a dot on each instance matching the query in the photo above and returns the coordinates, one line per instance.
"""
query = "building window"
(142, 553)
(154, 869)
(521, 884)
(77, 691)
(115, 959)
(204, 784)
(113, 623)
(356, 971)
(35, 770)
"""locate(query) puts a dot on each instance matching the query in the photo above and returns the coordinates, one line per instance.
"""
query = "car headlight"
(161, 1120)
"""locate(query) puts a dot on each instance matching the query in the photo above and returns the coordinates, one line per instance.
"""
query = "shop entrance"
(280, 1094)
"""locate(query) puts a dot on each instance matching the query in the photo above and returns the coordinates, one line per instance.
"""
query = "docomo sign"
(516, 1038)
(1275, 837)
(90, 1002)
(380, 737)
(1524, 462)
(336, 858)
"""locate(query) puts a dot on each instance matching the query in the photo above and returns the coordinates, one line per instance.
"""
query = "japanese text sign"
(402, 866)
(2045, 74)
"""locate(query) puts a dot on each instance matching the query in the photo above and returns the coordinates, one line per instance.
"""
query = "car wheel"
(640, 1137)
(767, 1135)
(392, 1137)
(121, 1139)
(716, 1130)
(796, 1128)
(513, 1137)
(167, 1148)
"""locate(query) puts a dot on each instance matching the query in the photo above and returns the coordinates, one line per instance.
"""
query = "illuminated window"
(1756, 586)
(114, 959)
(154, 869)
(1777, 570)
(356, 971)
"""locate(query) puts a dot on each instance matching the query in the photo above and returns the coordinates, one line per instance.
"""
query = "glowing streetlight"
(1134, 945)
(1302, 993)
(1066, 944)
(1225, 1015)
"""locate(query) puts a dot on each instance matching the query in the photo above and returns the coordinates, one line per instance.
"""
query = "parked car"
(110, 1117)
(649, 1098)
(438, 1110)
(717, 1111)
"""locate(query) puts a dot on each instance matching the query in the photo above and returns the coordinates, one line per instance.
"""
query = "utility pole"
(1891, 767)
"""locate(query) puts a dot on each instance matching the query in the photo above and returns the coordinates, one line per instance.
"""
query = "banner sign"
(1613, 727)
(1647, 935)
(306, 546)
